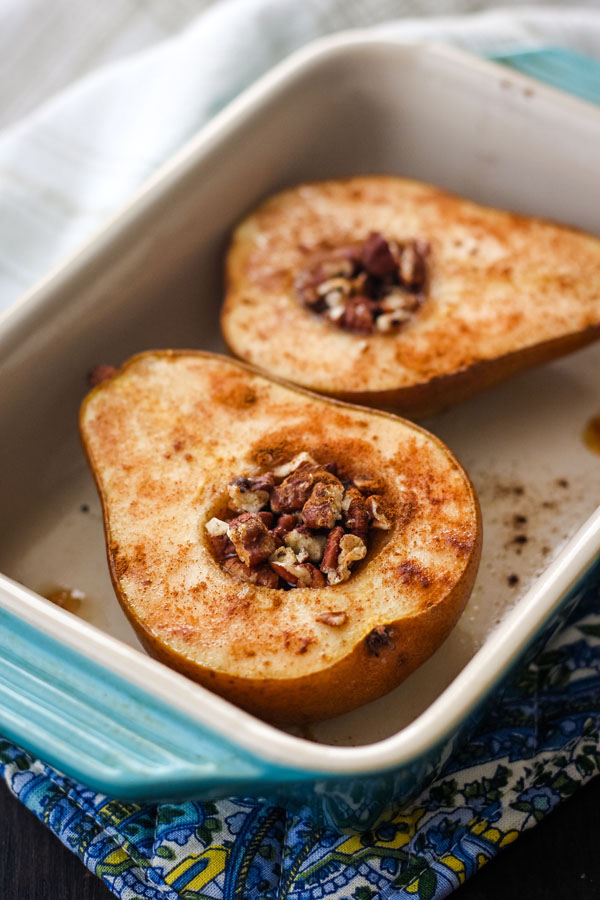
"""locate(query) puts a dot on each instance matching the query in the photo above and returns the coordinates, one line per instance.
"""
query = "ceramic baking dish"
(76, 689)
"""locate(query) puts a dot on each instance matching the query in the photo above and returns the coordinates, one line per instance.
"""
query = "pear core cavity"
(371, 286)
(300, 525)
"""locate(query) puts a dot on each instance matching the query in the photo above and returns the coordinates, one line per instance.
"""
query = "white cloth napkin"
(73, 161)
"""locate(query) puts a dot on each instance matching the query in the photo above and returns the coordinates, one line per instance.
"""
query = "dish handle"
(109, 734)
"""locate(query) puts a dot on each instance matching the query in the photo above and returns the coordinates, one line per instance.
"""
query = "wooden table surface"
(558, 859)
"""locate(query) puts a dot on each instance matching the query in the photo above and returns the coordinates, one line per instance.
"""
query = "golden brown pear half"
(504, 293)
(166, 434)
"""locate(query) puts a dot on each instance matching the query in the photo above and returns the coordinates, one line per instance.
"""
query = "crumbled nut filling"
(301, 525)
(376, 285)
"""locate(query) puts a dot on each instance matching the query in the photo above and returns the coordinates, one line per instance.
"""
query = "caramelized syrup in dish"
(70, 599)
(591, 435)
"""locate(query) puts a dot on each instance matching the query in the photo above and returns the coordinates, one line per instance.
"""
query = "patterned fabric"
(537, 744)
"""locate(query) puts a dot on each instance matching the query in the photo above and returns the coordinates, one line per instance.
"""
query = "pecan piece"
(305, 544)
(391, 321)
(294, 491)
(380, 638)
(351, 550)
(244, 498)
(286, 469)
(412, 266)
(337, 285)
(333, 618)
(266, 517)
(285, 523)
(218, 537)
(378, 517)
(332, 549)
(359, 314)
(309, 282)
(264, 482)
(356, 514)
(324, 506)
(284, 562)
(368, 485)
(261, 575)
(377, 256)
(252, 540)
(341, 263)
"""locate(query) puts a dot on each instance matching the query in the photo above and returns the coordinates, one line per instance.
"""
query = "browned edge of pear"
(426, 398)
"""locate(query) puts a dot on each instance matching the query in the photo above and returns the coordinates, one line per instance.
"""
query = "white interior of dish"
(153, 279)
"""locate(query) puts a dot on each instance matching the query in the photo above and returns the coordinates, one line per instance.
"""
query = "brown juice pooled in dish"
(301, 525)
(67, 598)
(591, 435)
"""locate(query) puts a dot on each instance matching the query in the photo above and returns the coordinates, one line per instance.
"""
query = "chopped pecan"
(359, 314)
(252, 540)
(284, 562)
(285, 523)
(337, 285)
(378, 257)
(332, 549)
(398, 301)
(351, 550)
(324, 506)
(366, 484)
(218, 537)
(356, 515)
(294, 491)
(380, 638)
(306, 546)
(215, 527)
(264, 482)
(244, 498)
(261, 575)
(340, 264)
(308, 283)
(412, 265)
(390, 321)
(336, 312)
(287, 468)
(303, 499)
(266, 517)
(378, 517)
(333, 618)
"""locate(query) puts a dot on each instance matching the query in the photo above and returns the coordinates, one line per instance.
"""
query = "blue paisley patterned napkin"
(536, 745)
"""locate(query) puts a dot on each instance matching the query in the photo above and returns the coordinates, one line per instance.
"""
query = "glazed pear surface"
(166, 434)
(504, 292)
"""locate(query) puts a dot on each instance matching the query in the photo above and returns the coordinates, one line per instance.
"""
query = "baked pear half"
(393, 293)
(297, 555)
